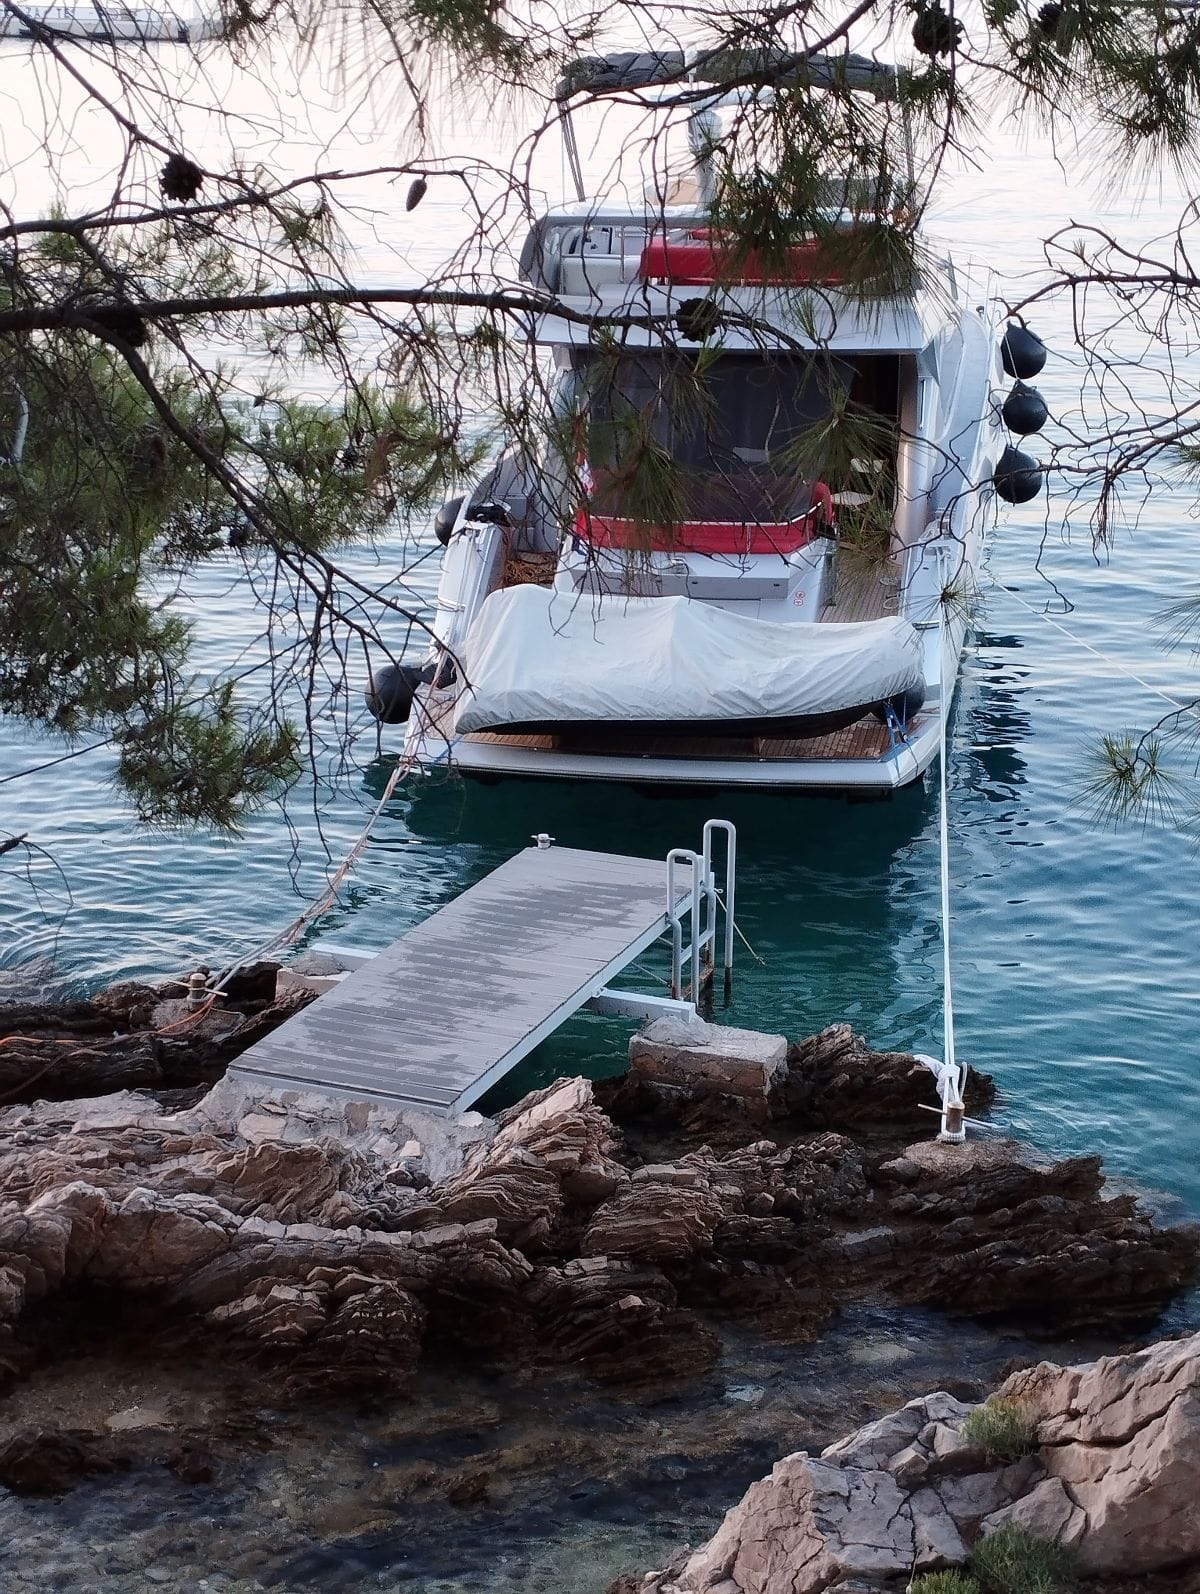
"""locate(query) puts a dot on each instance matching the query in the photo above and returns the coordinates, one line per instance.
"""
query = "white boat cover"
(533, 655)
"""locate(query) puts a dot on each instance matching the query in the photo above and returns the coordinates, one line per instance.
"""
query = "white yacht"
(784, 604)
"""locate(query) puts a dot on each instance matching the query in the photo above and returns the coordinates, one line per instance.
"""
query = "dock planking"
(451, 1007)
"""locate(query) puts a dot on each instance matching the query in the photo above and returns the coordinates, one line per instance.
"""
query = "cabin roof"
(759, 318)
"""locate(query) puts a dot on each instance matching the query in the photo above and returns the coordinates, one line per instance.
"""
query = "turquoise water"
(1074, 947)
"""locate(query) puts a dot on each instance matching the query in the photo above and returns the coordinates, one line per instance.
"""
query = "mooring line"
(329, 896)
(1115, 664)
(949, 1076)
(944, 846)
(737, 930)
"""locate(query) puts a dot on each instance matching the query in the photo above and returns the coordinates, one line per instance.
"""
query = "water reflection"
(998, 722)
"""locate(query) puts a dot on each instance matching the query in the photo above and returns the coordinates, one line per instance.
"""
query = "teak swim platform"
(445, 1012)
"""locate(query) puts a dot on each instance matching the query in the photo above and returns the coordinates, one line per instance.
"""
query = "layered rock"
(1120, 1442)
(345, 1237)
(135, 1036)
(997, 1228)
(835, 1080)
(547, 1239)
(1115, 1472)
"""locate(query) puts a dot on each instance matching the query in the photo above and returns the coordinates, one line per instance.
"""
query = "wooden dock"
(452, 1006)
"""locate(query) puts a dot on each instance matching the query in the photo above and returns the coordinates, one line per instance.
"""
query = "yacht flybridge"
(739, 555)
(103, 21)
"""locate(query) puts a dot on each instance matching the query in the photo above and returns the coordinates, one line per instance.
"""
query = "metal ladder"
(701, 906)
(705, 909)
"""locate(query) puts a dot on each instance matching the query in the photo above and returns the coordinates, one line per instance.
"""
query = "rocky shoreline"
(616, 1234)
(1109, 1470)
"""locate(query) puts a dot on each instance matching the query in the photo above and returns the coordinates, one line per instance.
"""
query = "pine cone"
(697, 319)
(180, 178)
(1048, 18)
(935, 32)
(416, 193)
(121, 321)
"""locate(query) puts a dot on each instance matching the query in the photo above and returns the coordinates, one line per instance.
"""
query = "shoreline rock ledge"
(1113, 1471)
(343, 1242)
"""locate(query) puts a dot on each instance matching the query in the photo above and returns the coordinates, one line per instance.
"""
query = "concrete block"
(708, 1059)
(288, 980)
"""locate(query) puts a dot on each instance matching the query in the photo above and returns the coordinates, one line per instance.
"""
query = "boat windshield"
(673, 436)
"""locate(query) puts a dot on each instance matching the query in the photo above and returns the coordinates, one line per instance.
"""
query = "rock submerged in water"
(49, 1460)
(1114, 1472)
(337, 1246)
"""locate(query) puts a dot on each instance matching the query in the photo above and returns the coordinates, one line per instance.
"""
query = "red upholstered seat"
(711, 536)
(699, 260)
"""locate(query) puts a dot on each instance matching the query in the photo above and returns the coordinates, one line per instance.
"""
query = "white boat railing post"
(571, 147)
(692, 904)
(696, 909)
(709, 940)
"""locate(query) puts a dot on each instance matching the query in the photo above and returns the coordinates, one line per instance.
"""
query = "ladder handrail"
(676, 856)
(704, 904)
(727, 825)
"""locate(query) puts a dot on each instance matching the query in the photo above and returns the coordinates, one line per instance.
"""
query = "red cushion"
(711, 536)
(701, 261)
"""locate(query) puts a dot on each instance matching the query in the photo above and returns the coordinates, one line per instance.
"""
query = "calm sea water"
(1074, 947)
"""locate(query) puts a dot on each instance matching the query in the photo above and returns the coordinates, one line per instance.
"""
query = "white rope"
(1114, 664)
(948, 1048)
(740, 933)
(951, 1079)
(327, 899)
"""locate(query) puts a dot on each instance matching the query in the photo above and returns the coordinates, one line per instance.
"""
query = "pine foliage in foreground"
(149, 341)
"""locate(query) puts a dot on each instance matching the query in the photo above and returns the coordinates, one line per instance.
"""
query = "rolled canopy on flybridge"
(725, 558)
(725, 68)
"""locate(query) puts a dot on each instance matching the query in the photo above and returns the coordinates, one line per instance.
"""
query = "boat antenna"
(571, 145)
(704, 131)
(12, 456)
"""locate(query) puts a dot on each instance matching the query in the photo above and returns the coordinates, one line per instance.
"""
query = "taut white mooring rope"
(329, 896)
(948, 1048)
(950, 1078)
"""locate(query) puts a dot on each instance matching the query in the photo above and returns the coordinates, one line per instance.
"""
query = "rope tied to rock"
(327, 898)
(74, 1049)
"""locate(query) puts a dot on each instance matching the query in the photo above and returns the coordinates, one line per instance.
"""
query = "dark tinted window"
(738, 439)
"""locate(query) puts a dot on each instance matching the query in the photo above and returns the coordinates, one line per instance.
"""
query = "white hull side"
(902, 767)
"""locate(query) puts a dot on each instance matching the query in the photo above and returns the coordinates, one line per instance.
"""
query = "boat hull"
(865, 758)
(623, 735)
(898, 766)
